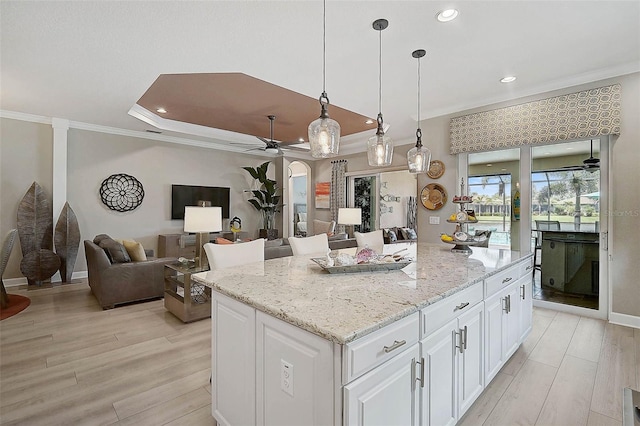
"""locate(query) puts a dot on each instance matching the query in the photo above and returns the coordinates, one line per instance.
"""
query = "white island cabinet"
(293, 345)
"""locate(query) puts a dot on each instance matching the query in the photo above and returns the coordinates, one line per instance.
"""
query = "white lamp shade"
(349, 216)
(202, 219)
(419, 159)
(324, 138)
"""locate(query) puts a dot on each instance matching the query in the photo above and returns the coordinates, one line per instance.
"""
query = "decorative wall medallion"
(121, 192)
(436, 169)
(433, 196)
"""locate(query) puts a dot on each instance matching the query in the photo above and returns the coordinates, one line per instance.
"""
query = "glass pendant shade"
(380, 147)
(419, 159)
(324, 137)
(380, 150)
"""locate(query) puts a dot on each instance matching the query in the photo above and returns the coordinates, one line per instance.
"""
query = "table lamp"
(349, 216)
(202, 220)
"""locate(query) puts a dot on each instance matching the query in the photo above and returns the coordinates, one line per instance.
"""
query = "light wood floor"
(65, 361)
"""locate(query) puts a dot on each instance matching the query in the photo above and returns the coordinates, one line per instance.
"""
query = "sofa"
(114, 282)
(281, 247)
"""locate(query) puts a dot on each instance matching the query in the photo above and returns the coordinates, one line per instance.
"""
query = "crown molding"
(146, 135)
(22, 116)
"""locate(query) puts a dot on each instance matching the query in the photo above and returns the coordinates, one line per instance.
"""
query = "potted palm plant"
(265, 200)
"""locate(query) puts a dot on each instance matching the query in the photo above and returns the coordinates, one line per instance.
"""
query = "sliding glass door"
(567, 221)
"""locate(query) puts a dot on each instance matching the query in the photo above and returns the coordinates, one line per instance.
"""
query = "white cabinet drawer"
(372, 350)
(498, 281)
(526, 267)
(436, 315)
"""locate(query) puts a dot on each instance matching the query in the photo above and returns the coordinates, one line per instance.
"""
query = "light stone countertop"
(345, 307)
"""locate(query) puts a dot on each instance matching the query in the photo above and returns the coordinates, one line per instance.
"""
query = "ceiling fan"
(273, 146)
(590, 164)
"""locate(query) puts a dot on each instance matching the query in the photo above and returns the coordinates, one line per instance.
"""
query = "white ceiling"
(90, 61)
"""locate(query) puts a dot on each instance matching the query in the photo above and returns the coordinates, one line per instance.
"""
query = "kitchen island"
(292, 344)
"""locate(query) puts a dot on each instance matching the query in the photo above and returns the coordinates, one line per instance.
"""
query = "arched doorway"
(298, 193)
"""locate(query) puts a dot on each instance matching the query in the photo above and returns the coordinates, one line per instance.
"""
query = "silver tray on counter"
(361, 267)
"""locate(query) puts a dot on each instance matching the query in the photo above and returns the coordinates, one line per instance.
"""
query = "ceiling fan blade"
(569, 168)
(258, 148)
(263, 140)
(295, 148)
(294, 143)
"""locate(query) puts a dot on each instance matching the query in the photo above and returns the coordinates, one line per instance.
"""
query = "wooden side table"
(185, 299)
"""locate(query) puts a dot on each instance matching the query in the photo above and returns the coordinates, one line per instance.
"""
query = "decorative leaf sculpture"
(35, 224)
(67, 241)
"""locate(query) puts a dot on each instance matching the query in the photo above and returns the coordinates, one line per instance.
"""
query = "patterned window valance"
(586, 114)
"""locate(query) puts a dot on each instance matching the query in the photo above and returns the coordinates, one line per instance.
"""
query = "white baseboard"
(624, 319)
(15, 282)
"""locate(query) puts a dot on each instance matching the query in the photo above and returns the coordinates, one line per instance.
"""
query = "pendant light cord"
(324, 45)
(380, 72)
(418, 93)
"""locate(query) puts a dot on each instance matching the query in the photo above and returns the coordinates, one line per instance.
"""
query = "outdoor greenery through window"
(571, 197)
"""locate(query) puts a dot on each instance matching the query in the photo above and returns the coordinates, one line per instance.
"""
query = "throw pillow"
(221, 240)
(135, 250)
(409, 234)
(115, 251)
(391, 235)
(99, 238)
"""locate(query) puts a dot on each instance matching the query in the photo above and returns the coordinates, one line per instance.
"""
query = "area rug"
(17, 304)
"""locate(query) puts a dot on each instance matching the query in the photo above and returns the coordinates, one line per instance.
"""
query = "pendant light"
(419, 157)
(324, 133)
(380, 146)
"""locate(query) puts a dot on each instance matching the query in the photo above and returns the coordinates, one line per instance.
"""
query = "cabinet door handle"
(396, 345)
(461, 306)
(414, 377)
(509, 304)
(465, 338)
(523, 291)
(506, 280)
(506, 305)
(461, 346)
(529, 267)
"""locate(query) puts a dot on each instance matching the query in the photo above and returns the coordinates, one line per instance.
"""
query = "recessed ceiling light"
(369, 121)
(507, 79)
(447, 15)
(504, 170)
(569, 148)
(161, 110)
(489, 165)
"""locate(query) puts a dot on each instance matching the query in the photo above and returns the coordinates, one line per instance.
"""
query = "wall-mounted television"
(189, 195)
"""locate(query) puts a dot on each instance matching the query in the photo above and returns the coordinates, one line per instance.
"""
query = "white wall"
(95, 156)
